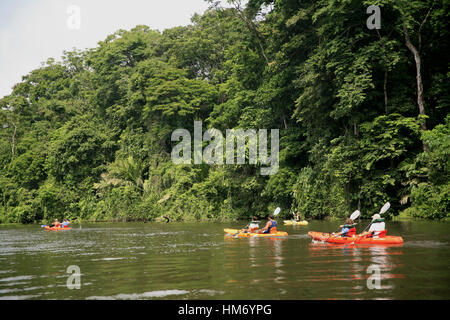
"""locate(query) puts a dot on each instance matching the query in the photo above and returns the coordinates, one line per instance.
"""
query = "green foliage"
(90, 137)
(78, 150)
(430, 202)
(431, 199)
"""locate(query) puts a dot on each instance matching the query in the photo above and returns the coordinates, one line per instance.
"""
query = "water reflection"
(276, 258)
(256, 260)
(137, 261)
(356, 264)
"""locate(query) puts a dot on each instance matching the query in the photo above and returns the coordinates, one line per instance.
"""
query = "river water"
(196, 261)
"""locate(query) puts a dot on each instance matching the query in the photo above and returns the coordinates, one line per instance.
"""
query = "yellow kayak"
(238, 233)
(295, 223)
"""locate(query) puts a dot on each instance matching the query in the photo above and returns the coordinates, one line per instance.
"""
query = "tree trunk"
(385, 79)
(13, 139)
(250, 25)
(385, 92)
(417, 59)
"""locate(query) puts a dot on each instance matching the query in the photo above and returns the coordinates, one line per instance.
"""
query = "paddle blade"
(355, 215)
(277, 211)
(385, 208)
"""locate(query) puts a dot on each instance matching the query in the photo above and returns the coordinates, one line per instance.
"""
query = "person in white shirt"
(376, 226)
(253, 225)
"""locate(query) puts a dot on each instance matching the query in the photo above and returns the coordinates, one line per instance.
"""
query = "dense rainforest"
(363, 116)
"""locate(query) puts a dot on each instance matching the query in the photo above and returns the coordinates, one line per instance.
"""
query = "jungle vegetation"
(363, 116)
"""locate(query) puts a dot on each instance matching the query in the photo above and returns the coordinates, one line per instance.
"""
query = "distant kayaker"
(271, 226)
(56, 223)
(253, 225)
(65, 223)
(376, 227)
(348, 229)
(296, 216)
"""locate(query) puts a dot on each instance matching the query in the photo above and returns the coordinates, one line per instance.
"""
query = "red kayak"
(56, 228)
(328, 237)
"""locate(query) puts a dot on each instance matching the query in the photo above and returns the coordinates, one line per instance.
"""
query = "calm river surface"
(196, 261)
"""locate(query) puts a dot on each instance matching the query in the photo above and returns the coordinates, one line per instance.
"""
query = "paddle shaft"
(362, 232)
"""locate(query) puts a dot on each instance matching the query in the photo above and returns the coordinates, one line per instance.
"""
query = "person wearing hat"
(376, 227)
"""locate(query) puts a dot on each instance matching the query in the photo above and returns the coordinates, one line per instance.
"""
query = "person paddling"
(348, 229)
(65, 223)
(295, 217)
(376, 227)
(271, 226)
(56, 223)
(252, 226)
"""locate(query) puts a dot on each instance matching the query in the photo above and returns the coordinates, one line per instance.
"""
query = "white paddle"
(277, 211)
(385, 208)
(355, 215)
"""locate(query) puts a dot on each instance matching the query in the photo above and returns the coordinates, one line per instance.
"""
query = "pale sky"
(31, 31)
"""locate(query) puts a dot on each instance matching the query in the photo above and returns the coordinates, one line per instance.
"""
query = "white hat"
(376, 216)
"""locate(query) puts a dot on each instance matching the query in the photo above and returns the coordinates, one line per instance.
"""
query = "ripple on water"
(6, 271)
(425, 244)
(108, 259)
(137, 296)
(23, 297)
(18, 278)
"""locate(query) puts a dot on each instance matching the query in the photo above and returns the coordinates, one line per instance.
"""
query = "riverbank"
(163, 220)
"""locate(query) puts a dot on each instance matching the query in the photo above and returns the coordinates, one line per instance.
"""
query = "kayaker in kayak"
(348, 229)
(295, 216)
(376, 227)
(271, 226)
(65, 223)
(253, 225)
(56, 223)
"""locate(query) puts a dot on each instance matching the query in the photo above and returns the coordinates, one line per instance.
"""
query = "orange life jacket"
(351, 232)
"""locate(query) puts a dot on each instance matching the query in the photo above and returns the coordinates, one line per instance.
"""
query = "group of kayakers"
(253, 226)
(58, 224)
(377, 226)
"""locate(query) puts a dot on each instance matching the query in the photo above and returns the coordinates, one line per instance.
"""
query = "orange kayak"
(56, 228)
(327, 237)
